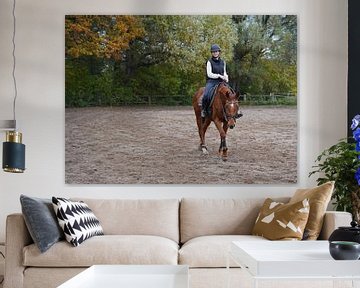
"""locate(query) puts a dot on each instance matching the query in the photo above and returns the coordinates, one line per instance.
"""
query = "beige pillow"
(279, 221)
(319, 198)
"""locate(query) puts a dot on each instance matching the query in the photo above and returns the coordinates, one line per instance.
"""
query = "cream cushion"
(107, 249)
(319, 198)
(211, 251)
(137, 217)
(201, 217)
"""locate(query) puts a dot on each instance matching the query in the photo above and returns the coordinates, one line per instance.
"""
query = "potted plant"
(341, 163)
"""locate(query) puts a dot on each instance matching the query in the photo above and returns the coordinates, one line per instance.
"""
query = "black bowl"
(344, 250)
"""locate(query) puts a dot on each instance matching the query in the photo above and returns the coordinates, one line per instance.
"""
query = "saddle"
(212, 94)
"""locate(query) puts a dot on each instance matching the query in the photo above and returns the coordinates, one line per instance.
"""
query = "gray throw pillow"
(41, 221)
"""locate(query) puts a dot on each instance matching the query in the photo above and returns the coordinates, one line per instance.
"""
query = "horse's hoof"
(204, 151)
(203, 148)
(223, 156)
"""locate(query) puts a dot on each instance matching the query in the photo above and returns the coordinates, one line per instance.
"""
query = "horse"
(224, 111)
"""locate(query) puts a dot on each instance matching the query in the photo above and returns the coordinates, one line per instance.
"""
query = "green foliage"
(278, 77)
(264, 59)
(120, 60)
(77, 81)
(339, 163)
(182, 41)
(157, 80)
(272, 100)
(84, 89)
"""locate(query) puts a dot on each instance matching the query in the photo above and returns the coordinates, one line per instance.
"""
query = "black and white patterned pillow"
(77, 220)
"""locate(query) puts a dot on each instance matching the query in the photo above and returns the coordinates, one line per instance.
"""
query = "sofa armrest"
(333, 220)
(17, 237)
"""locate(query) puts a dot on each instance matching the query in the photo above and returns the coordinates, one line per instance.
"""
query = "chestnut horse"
(224, 111)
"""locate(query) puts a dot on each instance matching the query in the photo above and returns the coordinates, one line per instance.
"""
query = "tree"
(263, 39)
(100, 36)
(112, 59)
(178, 43)
(182, 41)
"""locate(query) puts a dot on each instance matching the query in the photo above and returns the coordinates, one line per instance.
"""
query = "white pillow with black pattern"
(77, 220)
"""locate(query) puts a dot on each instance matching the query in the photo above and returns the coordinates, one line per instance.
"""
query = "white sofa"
(194, 232)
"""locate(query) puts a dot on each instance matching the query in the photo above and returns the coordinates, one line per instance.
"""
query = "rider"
(215, 73)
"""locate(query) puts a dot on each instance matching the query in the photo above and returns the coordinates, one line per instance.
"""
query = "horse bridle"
(229, 103)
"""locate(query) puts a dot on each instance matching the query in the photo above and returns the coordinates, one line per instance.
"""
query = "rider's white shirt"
(212, 75)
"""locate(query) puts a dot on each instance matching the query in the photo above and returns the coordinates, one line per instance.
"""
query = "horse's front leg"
(223, 148)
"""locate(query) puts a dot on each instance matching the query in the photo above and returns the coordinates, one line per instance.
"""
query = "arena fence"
(181, 100)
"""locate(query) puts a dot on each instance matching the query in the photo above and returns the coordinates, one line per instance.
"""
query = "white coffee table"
(131, 276)
(297, 260)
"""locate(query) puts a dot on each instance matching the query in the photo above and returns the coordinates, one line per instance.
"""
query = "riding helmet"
(215, 48)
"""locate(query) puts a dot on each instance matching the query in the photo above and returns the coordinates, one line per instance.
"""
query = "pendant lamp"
(13, 160)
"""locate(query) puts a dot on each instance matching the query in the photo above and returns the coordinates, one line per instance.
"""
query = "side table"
(295, 262)
(131, 276)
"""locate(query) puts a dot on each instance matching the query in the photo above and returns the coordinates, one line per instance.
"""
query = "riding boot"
(203, 113)
(239, 114)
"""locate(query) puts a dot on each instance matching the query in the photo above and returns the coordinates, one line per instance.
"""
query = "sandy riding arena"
(159, 145)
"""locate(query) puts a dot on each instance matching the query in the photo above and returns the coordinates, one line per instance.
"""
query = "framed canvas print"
(181, 99)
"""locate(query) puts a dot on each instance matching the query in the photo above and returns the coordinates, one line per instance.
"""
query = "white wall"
(40, 74)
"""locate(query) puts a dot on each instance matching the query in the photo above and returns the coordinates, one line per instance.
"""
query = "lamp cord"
(14, 60)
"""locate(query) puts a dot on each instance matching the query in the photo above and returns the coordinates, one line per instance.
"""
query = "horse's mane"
(226, 85)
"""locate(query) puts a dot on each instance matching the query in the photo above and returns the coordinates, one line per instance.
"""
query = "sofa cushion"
(41, 221)
(158, 217)
(201, 217)
(107, 249)
(319, 198)
(77, 220)
(279, 221)
(211, 251)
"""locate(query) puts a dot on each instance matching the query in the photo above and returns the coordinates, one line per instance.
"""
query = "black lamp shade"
(13, 157)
